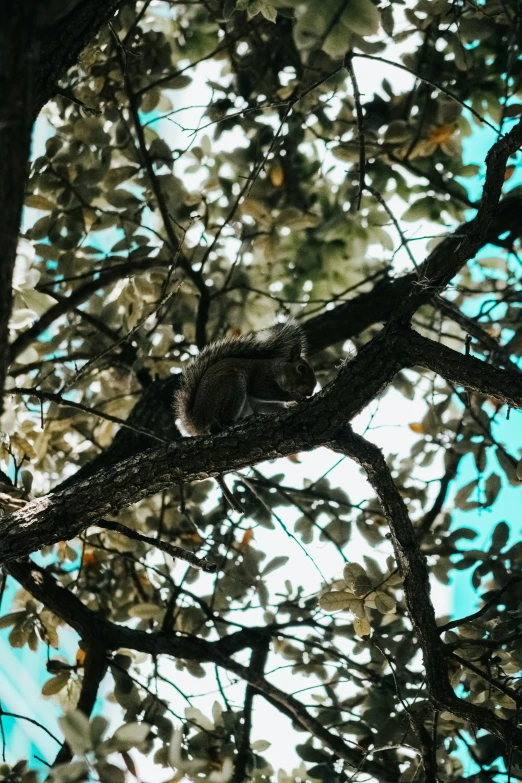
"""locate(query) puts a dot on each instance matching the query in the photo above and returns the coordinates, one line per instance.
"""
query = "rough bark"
(108, 635)
(17, 63)
(38, 43)
(414, 570)
(64, 513)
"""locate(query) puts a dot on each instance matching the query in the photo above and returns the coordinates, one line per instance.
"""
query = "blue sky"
(507, 431)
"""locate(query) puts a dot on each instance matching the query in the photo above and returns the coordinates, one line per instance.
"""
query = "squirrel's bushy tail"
(279, 342)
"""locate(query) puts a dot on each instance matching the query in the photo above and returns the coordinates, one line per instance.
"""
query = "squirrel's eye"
(301, 369)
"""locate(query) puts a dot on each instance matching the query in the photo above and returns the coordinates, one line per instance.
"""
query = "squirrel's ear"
(295, 353)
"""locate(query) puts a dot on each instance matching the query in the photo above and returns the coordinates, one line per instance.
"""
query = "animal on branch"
(237, 377)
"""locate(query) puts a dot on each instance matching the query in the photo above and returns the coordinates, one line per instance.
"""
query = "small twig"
(475, 616)
(282, 525)
(201, 564)
(360, 126)
(484, 676)
(94, 670)
(69, 96)
(404, 239)
(437, 86)
(5, 714)
(257, 665)
(56, 398)
(2, 733)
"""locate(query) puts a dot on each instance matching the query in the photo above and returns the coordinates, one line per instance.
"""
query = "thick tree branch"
(63, 514)
(104, 633)
(380, 304)
(154, 410)
(476, 375)
(63, 29)
(243, 761)
(412, 564)
(38, 43)
(17, 63)
(94, 669)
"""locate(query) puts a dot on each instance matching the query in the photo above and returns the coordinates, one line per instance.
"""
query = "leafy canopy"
(209, 167)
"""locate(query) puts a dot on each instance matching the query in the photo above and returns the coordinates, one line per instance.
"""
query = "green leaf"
(500, 536)
(397, 131)
(90, 131)
(334, 601)
(130, 735)
(36, 201)
(493, 485)
(118, 175)
(461, 498)
(75, 728)
(11, 619)
(361, 17)
(109, 773)
(268, 11)
(384, 603)
(513, 110)
(97, 729)
(350, 572)
(55, 684)
(508, 466)
(122, 199)
(362, 584)
(362, 627)
(314, 755)
(198, 718)
(275, 563)
(357, 579)
(18, 636)
(37, 301)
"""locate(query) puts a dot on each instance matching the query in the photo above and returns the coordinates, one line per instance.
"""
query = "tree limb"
(38, 43)
(79, 295)
(412, 564)
(64, 513)
(94, 669)
(243, 761)
(467, 371)
(91, 627)
(17, 65)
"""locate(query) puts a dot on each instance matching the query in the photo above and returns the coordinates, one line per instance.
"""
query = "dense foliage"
(205, 168)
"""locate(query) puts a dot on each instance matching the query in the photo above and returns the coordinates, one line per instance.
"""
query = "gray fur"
(278, 344)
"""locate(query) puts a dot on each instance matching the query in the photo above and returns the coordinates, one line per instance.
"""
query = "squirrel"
(236, 377)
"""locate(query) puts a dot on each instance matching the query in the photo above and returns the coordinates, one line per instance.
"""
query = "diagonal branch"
(414, 569)
(467, 371)
(243, 761)
(80, 295)
(64, 513)
(498, 353)
(199, 563)
(380, 304)
(94, 669)
(106, 634)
